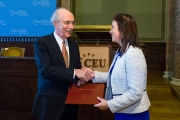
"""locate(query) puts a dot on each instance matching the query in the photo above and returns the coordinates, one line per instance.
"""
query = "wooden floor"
(163, 97)
(164, 104)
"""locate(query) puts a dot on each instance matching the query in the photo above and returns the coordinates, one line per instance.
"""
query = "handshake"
(84, 74)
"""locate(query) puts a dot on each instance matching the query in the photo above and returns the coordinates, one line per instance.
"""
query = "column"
(173, 40)
(66, 4)
(170, 36)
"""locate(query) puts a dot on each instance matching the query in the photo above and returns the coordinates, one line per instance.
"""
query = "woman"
(126, 94)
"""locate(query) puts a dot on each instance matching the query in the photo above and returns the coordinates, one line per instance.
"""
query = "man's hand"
(89, 74)
(80, 73)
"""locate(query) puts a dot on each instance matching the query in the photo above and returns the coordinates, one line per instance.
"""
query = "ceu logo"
(12, 13)
(84, 96)
(35, 2)
(13, 31)
(35, 21)
(19, 13)
(89, 60)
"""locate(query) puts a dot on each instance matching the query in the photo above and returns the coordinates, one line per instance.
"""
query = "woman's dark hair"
(128, 29)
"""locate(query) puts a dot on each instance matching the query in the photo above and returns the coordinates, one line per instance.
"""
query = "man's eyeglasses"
(68, 22)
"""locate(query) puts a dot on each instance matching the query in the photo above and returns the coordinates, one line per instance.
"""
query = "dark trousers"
(70, 112)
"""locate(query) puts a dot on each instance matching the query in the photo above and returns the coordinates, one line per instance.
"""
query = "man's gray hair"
(55, 16)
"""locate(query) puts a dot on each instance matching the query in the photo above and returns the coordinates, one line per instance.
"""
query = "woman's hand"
(102, 105)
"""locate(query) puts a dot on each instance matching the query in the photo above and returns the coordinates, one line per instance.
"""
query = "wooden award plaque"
(85, 94)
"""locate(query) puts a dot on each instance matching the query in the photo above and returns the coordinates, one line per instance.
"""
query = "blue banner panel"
(26, 18)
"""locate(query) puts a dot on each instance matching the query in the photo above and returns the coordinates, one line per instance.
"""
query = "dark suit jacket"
(53, 76)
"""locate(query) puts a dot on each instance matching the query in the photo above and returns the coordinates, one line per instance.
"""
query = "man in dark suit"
(54, 77)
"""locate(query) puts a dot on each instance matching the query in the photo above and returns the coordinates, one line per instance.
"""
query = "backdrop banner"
(26, 18)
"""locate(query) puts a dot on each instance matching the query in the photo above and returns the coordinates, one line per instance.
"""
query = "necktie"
(65, 54)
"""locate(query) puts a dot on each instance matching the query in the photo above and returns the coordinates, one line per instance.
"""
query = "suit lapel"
(56, 49)
(71, 46)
